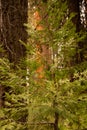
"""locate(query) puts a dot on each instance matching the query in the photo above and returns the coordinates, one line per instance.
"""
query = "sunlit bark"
(43, 51)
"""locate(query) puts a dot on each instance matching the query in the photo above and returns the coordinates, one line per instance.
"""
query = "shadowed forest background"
(43, 65)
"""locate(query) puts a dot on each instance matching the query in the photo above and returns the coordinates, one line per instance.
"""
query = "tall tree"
(14, 15)
(0, 20)
(74, 8)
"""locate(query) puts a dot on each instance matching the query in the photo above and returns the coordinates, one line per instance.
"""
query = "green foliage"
(31, 103)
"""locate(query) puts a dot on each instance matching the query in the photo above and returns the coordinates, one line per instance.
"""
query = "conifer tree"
(51, 102)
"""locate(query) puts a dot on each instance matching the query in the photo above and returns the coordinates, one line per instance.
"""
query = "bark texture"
(14, 15)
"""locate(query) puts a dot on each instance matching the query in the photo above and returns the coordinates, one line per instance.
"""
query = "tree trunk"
(74, 8)
(0, 20)
(85, 2)
(1, 88)
(1, 96)
(56, 121)
(14, 16)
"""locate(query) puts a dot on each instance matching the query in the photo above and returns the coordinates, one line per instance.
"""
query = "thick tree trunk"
(0, 22)
(0, 18)
(14, 16)
(74, 8)
(1, 88)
